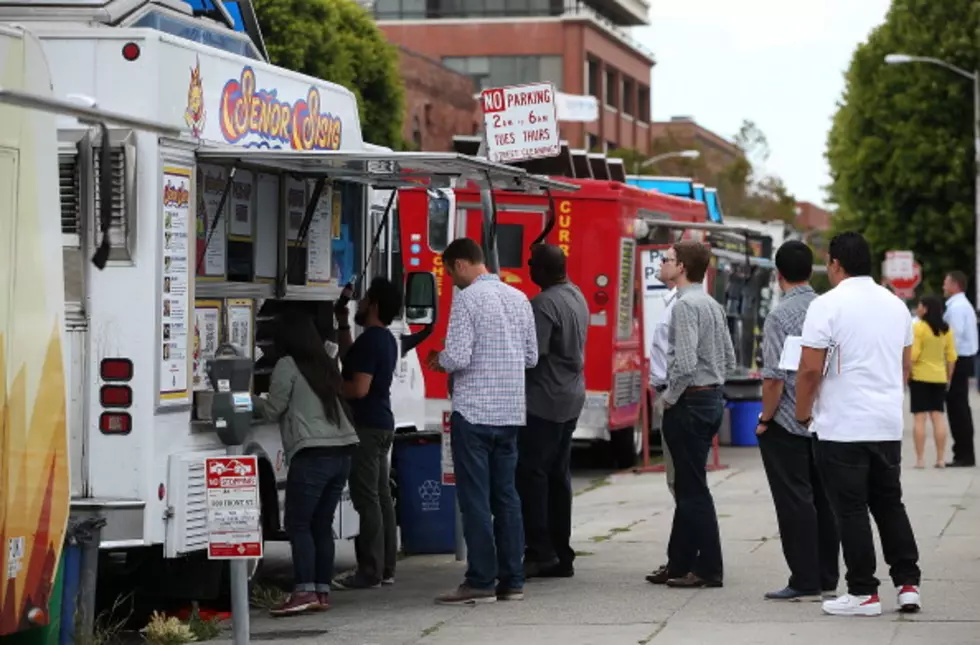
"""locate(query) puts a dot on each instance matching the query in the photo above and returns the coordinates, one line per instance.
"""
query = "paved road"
(621, 527)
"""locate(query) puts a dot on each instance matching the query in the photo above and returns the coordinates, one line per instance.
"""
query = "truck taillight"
(116, 396)
(115, 423)
(116, 369)
(601, 298)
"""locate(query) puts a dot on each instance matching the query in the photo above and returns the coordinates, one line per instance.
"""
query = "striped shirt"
(491, 340)
(699, 351)
(785, 320)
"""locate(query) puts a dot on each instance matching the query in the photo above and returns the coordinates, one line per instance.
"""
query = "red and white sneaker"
(848, 605)
(909, 600)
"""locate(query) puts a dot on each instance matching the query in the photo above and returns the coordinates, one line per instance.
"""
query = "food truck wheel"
(626, 444)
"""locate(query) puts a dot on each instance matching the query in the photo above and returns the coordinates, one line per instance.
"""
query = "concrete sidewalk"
(621, 528)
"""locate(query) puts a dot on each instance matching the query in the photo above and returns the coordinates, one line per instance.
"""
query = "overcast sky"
(779, 63)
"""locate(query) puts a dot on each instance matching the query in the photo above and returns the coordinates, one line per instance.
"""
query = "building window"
(592, 76)
(501, 71)
(610, 146)
(418, 9)
(593, 143)
(610, 83)
(629, 87)
(643, 104)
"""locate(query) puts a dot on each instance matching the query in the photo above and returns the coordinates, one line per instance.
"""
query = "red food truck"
(596, 228)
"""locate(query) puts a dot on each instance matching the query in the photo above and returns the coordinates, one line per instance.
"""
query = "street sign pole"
(239, 588)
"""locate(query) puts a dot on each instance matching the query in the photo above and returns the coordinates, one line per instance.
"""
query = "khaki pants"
(657, 424)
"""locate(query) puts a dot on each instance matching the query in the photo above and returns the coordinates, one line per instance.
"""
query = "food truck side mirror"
(231, 408)
(420, 298)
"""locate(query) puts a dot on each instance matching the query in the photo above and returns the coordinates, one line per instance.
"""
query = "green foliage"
(337, 40)
(901, 145)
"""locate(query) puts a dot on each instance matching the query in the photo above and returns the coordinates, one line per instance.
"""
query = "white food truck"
(265, 205)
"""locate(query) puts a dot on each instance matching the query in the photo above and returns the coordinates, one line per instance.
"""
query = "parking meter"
(231, 408)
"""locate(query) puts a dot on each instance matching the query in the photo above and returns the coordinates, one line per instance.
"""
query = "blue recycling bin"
(426, 508)
(745, 419)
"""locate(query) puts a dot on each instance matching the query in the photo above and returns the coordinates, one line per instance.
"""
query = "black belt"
(659, 389)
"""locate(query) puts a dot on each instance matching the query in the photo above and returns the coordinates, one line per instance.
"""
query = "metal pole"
(976, 197)
(486, 201)
(239, 588)
(88, 580)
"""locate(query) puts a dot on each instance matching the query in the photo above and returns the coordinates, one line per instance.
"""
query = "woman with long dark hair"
(318, 440)
(933, 360)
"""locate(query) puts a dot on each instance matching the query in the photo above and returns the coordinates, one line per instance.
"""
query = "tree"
(900, 147)
(338, 41)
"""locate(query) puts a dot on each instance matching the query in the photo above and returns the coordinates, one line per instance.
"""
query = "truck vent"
(119, 232)
(626, 388)
(71, 212)
(195, 510)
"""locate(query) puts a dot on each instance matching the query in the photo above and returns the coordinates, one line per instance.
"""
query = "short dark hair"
(550, 259)
(695, 257)
(462, 249)
(794, 261)
(960, 279)
(387, 296)
(852, 252)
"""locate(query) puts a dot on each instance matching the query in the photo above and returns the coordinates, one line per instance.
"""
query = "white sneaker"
(909, 600)
(848, 605)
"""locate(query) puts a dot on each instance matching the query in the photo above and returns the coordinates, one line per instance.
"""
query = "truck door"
(517, 227)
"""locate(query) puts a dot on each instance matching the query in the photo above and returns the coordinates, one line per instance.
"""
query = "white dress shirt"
(963, 321)
(658, 346)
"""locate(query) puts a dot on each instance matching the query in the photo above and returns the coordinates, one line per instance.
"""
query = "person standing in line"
(699, 358)
(962, 319)
(490, 342)
(555, 397)
(318, 439)
(807, 528)
(658, 382)
(933, 365)
(368, 368)
(850, 391)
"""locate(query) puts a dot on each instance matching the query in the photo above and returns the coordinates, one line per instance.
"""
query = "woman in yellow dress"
(933, 359)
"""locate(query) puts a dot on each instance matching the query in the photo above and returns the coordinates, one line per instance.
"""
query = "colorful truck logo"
(195, 116)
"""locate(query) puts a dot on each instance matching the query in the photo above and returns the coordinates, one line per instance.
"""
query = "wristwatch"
(805, 422)
(764, 422)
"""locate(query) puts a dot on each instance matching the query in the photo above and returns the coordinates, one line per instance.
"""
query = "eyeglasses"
(667, 260)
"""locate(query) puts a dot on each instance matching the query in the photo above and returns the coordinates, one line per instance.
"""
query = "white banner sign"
(577, 108)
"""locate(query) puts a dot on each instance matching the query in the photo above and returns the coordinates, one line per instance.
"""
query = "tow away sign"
(521, 122)
(234, 527)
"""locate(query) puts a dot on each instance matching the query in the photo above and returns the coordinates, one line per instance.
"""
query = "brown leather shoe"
(659, 576)
(298, 602)
(691, 581)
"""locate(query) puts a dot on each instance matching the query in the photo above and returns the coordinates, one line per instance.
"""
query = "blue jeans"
(689, 427)
(315, 482)
(485, 459)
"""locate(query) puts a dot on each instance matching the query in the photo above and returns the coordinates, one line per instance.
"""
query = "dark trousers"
(376, 544)
(807, 527)
(863, 476)
(485, 460)
(544, 482)
(689, 426)
(314, 484)
(959, 413)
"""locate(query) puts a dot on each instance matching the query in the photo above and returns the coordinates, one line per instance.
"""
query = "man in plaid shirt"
(491, 340)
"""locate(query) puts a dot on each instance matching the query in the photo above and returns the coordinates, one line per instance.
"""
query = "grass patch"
(723, 515)
(599, 538)
(595, 484)
(584, 554)
(266, 597)
(614, 532)
(204, 629)
(429, 631)
(109, 624)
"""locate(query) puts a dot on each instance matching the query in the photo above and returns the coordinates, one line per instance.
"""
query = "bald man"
(555, 396)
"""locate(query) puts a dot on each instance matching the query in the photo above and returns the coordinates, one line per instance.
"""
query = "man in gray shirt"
(699, 358)
(555, 390)
(807, 529)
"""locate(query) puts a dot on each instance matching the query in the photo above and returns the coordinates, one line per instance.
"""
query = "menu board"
(242, 190)
(176, 275)
(267, 215)
(295, 206)
(211, 182)
(318, 269)
(240, 326)
(207, 337)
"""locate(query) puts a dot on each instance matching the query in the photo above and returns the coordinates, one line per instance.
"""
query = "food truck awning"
(387, 169)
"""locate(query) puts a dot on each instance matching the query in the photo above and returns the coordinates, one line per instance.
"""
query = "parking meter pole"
(239, 588)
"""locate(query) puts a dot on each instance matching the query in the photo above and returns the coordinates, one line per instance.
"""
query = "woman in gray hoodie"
(318, 440)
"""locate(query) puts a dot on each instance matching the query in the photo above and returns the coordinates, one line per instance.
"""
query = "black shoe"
(691, 581)
(660, 576)
(560, 570)
(534, 568)
(961, 464)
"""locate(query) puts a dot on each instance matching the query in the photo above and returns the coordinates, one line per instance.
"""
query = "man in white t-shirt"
(850, 390)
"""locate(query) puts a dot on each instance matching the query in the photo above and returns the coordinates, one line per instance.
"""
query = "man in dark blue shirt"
(368, 367)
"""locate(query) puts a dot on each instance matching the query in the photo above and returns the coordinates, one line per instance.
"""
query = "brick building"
(439, 102)
(683, 133)
(813, 222)
(579, 45)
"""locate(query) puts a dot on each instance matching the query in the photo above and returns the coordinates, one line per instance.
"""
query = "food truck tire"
(625, 445)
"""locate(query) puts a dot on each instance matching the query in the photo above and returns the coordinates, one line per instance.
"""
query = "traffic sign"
(898, 264)
(234, 524)
(521, 122)
(904, 287)
(448, 468)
